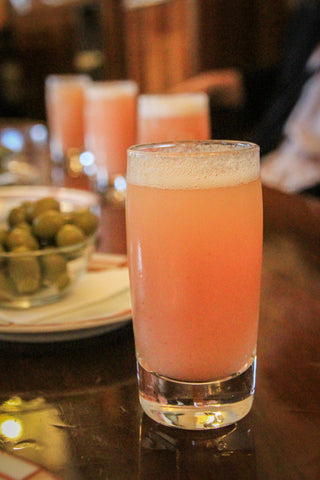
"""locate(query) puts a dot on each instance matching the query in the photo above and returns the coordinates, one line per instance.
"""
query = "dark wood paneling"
(161, 44)
(242, 33)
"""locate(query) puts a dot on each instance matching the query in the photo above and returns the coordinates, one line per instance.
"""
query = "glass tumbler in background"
(110, 128)
(64, 97)
(173, 116)
(194, 233)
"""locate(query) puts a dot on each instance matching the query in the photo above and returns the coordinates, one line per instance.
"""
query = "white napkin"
(92, 288)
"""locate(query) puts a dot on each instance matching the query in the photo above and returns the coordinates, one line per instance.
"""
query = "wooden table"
(86, 422)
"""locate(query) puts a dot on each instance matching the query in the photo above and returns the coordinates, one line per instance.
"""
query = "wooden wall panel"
(113, 38)
(241, 33)
(161, 44)
(158, 46)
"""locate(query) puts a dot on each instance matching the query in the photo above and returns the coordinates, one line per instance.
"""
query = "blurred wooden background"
(157, 46)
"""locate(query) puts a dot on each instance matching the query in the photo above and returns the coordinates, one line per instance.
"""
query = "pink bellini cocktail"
(111, 126)
(180, 116)
(194, 225)
(64, 97)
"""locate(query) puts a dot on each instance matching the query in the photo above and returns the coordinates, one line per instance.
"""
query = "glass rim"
(67, 78)
(127, 86)
(169, 147)
(156, 105)
(162, 95)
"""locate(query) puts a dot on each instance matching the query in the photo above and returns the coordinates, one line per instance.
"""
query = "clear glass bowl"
(43, 276)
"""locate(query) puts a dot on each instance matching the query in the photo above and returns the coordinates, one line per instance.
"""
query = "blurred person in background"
(282, 104)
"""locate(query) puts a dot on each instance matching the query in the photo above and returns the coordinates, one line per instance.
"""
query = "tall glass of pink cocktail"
(174, 116)
(64, 98)
(110, 128)
(194, 229)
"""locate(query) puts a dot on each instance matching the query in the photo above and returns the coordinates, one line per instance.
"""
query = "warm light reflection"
(75, 167)
(36, 428)
(11, 428)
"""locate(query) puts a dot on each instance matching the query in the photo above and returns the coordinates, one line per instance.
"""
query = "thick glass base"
(196, 406)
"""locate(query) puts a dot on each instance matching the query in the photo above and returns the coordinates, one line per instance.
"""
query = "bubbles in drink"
(179, 165)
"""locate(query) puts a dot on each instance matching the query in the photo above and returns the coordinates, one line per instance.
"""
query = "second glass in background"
(110, 128)
(64, 97)
(180, 116)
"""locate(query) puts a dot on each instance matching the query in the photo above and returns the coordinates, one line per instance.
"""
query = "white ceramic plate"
(96, 319)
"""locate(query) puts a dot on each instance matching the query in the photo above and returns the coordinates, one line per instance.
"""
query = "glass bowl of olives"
(46, 237)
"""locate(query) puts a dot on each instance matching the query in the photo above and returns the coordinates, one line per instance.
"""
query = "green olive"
(85, 220)
(25, 226)
(55, 271)
(42, 205)
(20, 237)
(25, 272)
(47, 224)
(62, 282)
(26, 204)
(53, 266)
(16, 215)
(21, 249)
(69, 235)
(6, 287)
(67, 217)
(28, 207)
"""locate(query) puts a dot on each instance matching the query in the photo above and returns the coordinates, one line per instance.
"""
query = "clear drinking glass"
(173, 116)
(110, 126)
(64, 98)
(194, 233)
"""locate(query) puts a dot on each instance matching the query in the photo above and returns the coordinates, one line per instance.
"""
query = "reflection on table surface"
(89, 434)
(44, 433)
(72, 407)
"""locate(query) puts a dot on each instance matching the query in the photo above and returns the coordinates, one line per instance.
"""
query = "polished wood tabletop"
(78, 402)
